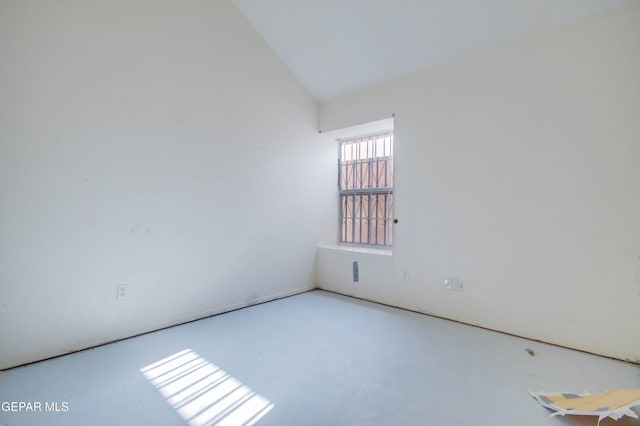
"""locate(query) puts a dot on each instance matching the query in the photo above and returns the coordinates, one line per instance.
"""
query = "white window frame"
(365, 186)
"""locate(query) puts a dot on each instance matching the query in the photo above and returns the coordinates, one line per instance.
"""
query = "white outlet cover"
(121, 292)
(448, 284)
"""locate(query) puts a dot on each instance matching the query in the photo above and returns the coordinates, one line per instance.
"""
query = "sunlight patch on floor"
(204, 394)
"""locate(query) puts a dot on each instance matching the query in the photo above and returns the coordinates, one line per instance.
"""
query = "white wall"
(518, 170)
(159, 144)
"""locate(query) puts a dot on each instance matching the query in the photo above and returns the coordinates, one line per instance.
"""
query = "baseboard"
(606, 354)
(167, 324)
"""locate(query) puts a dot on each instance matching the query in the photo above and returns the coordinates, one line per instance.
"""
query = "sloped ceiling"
(336, 47)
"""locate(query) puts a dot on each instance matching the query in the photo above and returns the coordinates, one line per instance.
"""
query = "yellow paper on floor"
(614, 404)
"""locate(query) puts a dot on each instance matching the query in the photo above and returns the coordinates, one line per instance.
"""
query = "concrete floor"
(312, 359)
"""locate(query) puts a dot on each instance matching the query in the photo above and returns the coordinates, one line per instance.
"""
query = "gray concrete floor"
(313, 359)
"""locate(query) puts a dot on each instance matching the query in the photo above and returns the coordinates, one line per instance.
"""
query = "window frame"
(368, 191)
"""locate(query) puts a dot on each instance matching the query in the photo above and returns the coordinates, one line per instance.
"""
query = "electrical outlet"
(121, 291)
(356, 272)
(457, 284)
(405, 275)
(448, 284)
(453, 284)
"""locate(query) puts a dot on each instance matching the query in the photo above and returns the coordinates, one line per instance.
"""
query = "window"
(366, 190)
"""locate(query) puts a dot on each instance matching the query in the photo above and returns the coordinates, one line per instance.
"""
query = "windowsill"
(347, 249)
